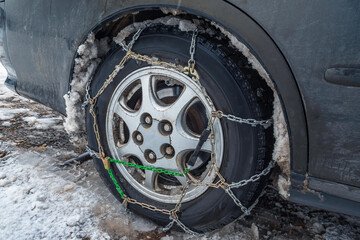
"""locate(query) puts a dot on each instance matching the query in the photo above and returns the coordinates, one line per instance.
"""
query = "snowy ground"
(40, 199)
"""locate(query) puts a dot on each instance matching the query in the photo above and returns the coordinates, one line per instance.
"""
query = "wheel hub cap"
(154, 140)
(150, 122)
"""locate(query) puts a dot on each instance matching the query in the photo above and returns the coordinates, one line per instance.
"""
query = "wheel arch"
(255, 38)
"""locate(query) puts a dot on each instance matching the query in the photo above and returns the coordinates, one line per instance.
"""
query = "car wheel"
(154, 116)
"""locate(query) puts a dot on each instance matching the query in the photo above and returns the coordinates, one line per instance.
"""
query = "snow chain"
(192, 73)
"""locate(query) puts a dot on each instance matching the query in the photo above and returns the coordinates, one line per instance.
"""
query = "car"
(187, 106)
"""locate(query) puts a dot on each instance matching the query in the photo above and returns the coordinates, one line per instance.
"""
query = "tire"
(234, 88)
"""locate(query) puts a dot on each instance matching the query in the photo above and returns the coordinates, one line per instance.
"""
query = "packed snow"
(89, 57)
(281, 152)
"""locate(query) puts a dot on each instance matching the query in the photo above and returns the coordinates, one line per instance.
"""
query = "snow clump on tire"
(89, 57)
(281, 152)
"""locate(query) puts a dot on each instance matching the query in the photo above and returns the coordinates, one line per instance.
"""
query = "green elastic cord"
(150, 168)
(118, 188)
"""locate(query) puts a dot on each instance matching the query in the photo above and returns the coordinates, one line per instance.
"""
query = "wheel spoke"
(168, 164)
(182, 141)
(182, 180)
(150, 178)
(148, 96)
(130, 118)
(177, 108)
(130, 149)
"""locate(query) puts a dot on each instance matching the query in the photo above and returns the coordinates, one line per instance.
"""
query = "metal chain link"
(183, 227)
(193, 46)
(249, 121)
(92, 152)
(249, 209)
(246, 211)
(253, 178)
(189, 70)
(168, 172)
(87, 94)
(128, 47)
(236, 200)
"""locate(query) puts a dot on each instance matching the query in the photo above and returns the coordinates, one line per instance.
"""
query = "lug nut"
(169, 150)
(151, 155)
(167, 127)
(139, 137)
(148, 119)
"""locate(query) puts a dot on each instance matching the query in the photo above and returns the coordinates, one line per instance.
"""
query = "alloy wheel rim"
(155, 118)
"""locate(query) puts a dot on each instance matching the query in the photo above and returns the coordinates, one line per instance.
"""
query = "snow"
(42, 200)
(39, 201)
(255, 231)
(43, 123)
(281, 152)
(184, 25)
(5, 123)
(5, 182)
(318, 228)
(283, 186)
(35, 194)
(5, 95)
(7, 114)
(173, 11)
(4, 92)
(86, 63)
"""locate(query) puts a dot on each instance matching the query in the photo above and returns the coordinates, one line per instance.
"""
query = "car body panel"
(44, 37)
(38, 44)
(320, 35)
(332, 196)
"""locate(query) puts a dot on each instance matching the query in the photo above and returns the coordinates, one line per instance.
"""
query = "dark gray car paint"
(320, 35)
(49, 49)
(312, 36)
(343, 76)
(335, 197)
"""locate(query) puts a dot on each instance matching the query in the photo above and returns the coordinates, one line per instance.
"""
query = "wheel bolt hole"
(150, 156)
(138, 137)
(146, 120)
(165, 128)
(167, 150)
